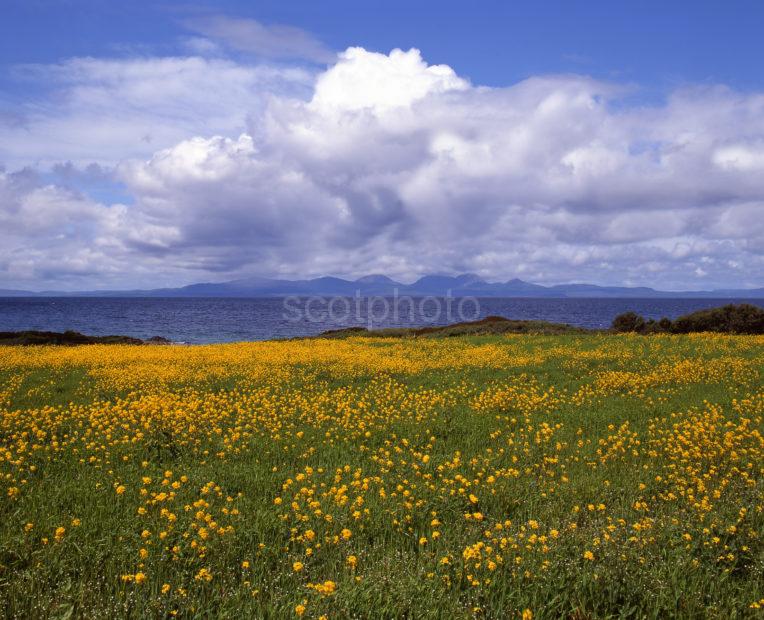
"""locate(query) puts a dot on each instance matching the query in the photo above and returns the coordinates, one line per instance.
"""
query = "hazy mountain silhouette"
(440, 285)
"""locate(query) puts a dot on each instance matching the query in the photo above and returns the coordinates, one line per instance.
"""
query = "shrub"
(657, 327)
(628, 322)
(729, 319)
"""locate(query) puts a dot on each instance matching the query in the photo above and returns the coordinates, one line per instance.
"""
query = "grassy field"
(578, 476)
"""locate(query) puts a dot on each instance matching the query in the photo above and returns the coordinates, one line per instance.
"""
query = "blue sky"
(655, 43)
(163, 143)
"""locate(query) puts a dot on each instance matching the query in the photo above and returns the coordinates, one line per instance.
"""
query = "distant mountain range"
(459, 286)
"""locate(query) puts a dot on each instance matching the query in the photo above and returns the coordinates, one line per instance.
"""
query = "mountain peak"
(469, 278)
(375, 278)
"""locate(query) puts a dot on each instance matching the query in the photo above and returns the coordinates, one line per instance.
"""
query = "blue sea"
(208, 320)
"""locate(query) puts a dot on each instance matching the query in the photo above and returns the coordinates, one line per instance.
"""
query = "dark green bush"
(628, 322)
(665, 324)
(657, 327)
(729, 319)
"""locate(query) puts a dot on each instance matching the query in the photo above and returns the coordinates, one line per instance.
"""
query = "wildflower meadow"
(530, 476)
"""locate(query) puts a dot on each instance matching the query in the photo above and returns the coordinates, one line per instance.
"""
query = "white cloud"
(740, 157)
(105, 111)
(367, 80)
(52, 232)
(386, 164)
(270, 41)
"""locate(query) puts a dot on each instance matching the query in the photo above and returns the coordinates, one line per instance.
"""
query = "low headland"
(69, 338)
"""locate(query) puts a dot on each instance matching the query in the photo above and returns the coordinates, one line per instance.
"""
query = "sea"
(210, 320)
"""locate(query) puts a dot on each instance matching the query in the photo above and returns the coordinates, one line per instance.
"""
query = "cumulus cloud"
(51, 231)
(107, 110)
(363, 80)
(384, 163)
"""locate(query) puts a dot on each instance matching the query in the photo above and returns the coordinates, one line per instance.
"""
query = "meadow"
(513, 476)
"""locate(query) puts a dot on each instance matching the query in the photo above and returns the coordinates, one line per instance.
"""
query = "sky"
(159, 144)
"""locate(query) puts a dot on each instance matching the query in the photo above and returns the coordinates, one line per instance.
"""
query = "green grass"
(675, 448)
